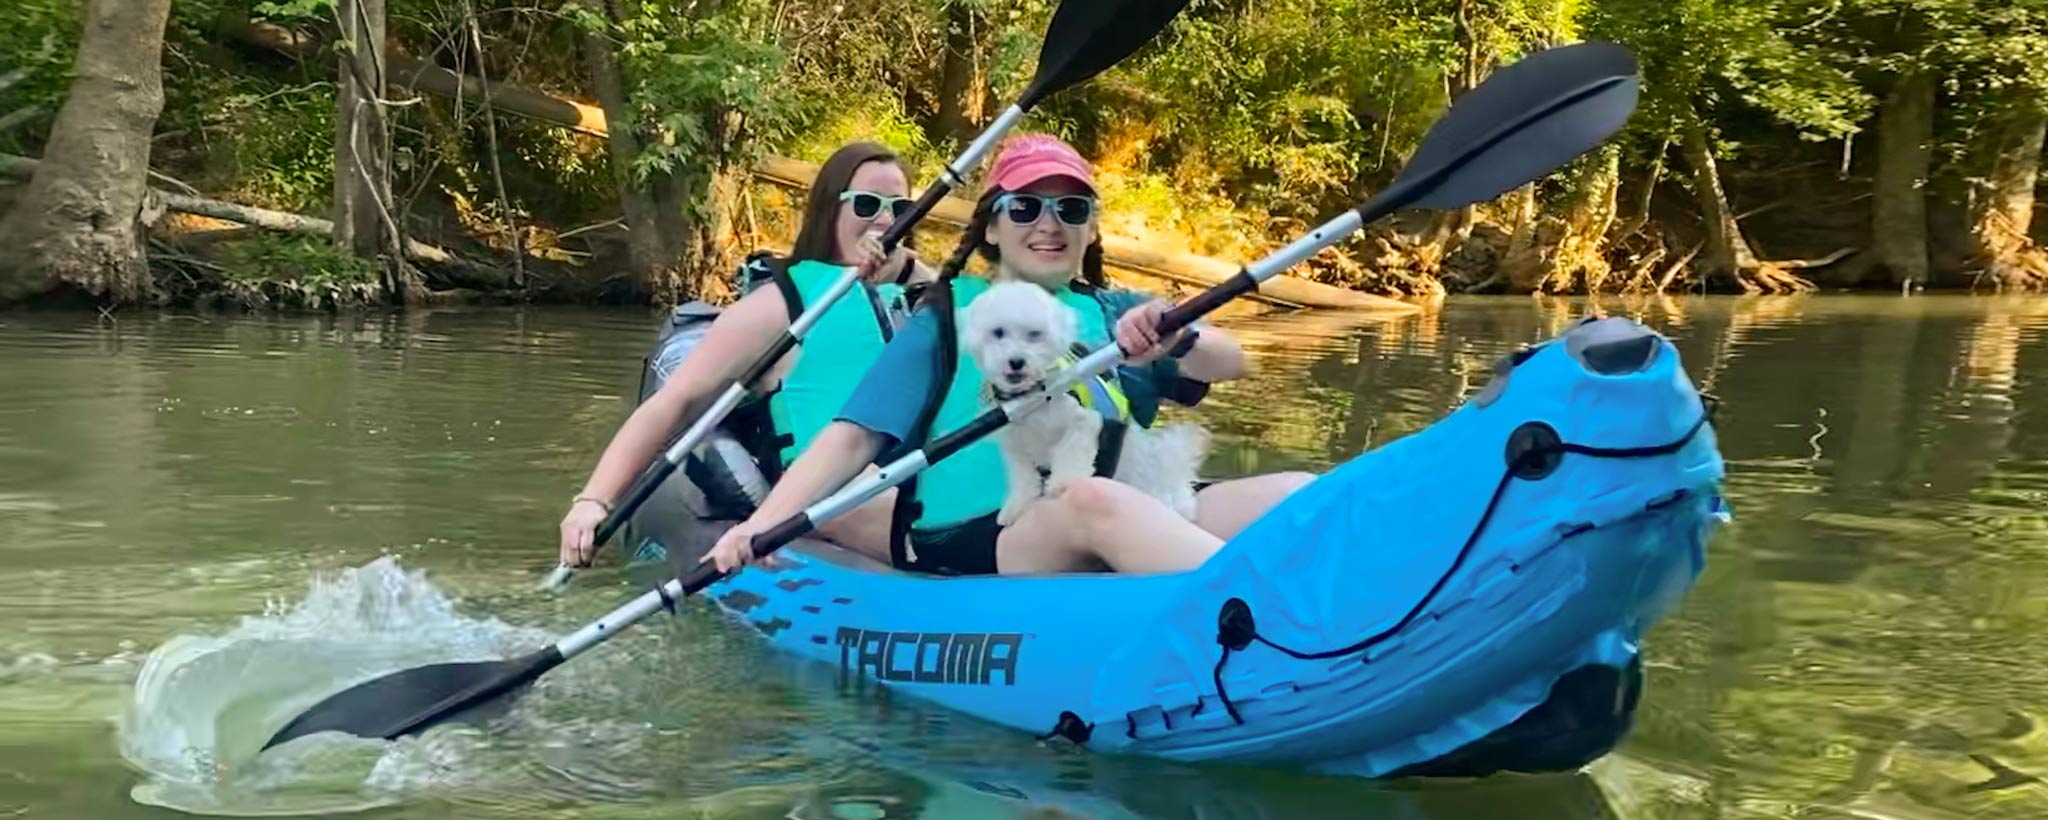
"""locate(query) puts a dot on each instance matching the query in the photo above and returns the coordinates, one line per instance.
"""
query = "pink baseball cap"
(1031, 157)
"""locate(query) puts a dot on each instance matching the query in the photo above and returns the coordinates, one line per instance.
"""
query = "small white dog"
(1018, 335)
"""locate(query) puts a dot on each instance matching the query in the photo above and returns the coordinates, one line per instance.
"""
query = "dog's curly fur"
(1017, 333)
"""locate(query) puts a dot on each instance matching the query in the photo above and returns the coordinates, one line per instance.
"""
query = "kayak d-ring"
(1235, 629)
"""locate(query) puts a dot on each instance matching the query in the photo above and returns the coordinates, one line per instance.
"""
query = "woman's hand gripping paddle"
(1523, 122)
(1084, 38)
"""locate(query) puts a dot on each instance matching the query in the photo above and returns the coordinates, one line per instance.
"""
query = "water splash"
(202, 706)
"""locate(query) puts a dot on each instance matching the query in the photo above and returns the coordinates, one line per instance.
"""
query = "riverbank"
(557, 156)
(289, 263)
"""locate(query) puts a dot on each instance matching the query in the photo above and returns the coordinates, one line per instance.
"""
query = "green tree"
(78, 226)
(1703, 59)
(1978, 61)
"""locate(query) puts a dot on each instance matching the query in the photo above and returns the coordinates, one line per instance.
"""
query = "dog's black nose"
(1016, 364)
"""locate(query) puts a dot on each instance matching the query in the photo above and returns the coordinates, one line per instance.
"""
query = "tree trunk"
(77, 224)
(1457, 224)
(1905, 136)
(956, 75)
(476, 40)
(643, 237)
(1726, 253)
(1572, 245)
(1523, 262)
(674, 193)
(2000, 224)
(2011, 194)
(365, 216)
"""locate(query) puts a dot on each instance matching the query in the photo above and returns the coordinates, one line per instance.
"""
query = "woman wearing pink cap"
(1037, 223)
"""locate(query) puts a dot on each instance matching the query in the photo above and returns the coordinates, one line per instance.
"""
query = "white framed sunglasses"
(868, 204)
(1024, 209)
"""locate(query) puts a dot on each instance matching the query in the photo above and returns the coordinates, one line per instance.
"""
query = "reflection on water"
(1870, 639)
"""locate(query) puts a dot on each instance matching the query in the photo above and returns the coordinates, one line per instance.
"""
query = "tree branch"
(1813, 263)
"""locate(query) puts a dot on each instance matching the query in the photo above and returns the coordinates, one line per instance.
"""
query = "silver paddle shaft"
(735, 392)
(956, 173)
(1325, 235)
(618, 619)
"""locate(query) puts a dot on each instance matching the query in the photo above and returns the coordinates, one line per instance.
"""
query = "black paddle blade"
(402, 703)
(1521, 123)
(1086, 37)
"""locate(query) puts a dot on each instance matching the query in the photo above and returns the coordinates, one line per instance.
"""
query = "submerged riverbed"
(205, 519)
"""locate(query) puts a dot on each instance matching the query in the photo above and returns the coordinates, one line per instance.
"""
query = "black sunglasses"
(1024, 209)
(868, 205)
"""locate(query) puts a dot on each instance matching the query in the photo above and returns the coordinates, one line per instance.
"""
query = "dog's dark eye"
(996, 334)
(1033, 335)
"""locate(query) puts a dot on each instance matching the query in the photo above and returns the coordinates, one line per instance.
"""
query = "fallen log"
(284, 222)
(281, 221)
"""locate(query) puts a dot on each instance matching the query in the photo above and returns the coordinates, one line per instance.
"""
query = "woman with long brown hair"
(857, 195)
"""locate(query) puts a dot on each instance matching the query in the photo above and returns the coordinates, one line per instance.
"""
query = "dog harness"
(1099, 393)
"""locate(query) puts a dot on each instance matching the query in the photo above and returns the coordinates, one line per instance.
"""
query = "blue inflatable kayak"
(1467, 599)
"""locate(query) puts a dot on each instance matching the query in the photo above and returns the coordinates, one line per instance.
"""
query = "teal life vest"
(972, 482)
(838, 351)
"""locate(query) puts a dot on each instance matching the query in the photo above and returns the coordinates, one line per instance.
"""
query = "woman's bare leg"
(1100, 520)
(864, 529)
(1225, 508)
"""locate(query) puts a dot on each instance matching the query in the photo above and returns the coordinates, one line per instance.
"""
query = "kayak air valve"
(1612, 346)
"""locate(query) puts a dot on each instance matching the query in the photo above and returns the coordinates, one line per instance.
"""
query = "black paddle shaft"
(636, 495)
(774, 538)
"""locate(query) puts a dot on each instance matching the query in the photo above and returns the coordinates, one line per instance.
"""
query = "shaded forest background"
(1781, 145)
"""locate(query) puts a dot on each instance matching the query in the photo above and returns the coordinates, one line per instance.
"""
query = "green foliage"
(1286, 110)
(821, 126)
(295, 10)
(1701, 55)
(692, 67)
(1242, 125)
(296, 271)
(264, 143)
(40, 37)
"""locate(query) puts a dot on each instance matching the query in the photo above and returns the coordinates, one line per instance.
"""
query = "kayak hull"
(1451, 603)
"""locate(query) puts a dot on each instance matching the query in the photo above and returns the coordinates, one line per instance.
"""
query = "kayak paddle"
(1523, 122)
(1084, 39)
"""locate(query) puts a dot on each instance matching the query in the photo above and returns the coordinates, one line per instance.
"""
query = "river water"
(205, 518)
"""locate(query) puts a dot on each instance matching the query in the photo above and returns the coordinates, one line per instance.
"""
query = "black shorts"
(966, 548)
